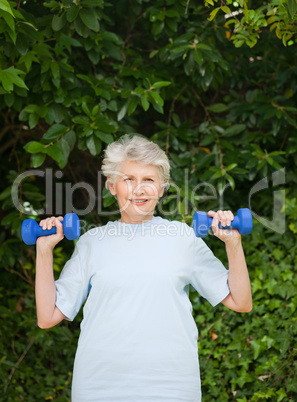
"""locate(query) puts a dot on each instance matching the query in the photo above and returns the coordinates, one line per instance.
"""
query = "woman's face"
(138, 188)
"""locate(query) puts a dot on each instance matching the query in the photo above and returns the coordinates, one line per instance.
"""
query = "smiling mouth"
(141, 201)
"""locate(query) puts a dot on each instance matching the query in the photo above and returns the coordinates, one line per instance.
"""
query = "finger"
(222, 218)
(59, 227)
(51, 222)
(211, 214)
(225, 218)
(41, 222)
(44, 223)
(229, 217)
(215, 223)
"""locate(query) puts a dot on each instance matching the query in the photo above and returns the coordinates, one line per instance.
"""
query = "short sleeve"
(209, 276)
(73, 285)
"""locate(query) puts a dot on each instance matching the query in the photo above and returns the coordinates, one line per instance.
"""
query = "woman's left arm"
(240, 296)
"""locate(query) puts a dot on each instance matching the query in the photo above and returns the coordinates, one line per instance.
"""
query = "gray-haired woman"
(138, 339)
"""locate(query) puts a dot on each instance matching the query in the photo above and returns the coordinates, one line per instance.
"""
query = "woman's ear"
(111, 186)
(162, 191)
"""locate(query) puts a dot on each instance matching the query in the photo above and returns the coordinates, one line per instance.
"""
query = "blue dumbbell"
(243, 222)
(31, 230)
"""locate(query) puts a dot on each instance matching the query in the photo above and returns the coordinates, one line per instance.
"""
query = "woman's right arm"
(48, 315)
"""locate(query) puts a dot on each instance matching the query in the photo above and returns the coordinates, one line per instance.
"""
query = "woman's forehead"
(134, 168)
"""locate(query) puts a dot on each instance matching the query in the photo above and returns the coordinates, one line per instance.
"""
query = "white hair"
(135, 148)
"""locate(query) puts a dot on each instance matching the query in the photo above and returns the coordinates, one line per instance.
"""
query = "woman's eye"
(128, 179)
(150, 179)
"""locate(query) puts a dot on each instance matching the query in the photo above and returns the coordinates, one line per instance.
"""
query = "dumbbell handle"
(234, 224)
(45, 232)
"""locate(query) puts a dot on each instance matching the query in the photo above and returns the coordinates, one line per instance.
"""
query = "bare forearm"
(239, 281)
(45, 288)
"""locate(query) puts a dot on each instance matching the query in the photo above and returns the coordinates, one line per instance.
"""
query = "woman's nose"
(138, 189)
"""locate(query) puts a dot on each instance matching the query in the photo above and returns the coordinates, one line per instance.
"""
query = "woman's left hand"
(225, 218)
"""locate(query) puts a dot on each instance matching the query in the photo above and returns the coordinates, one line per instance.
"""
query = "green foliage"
(75, 76)
(252, 356)
(280, 15)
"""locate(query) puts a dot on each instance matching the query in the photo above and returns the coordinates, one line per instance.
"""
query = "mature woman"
(138, 339)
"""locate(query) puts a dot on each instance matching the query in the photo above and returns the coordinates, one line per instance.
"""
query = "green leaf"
(217, 107)
(226, 9)
(94, 145)
(89, 18)
(33, 120)
(172, 13)
(28, 60)
(58, 22)
(55, 151)
(123, 111)
(256, 347)
(145, 102)
(125, 93)
(22, 44)
(160, 84)
(80, 27)
(9, 99)
(111, 36)
(5, 193)
(203, 46)
(80, 119)
(72, 13)
(213, 13)
(113, 106)
(139, 91)
(85, 109)
(107, 138)
(37, 159)
(231, 167)
(208, 77)
(10, 77)
(198, 57)
(108, 201)
(157, 98)
(70, 138)
(234, 130)
(54, 132)
(55, 69)
(34, 147)
(106, 125)
(5, 6)
(219, 173)
(132, 104)
(231, 181)
(239, 43)
(95, 110)
(190, 63)
(292, 8)
(158, 27)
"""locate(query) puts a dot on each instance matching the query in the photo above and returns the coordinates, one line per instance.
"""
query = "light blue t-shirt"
(138, 339)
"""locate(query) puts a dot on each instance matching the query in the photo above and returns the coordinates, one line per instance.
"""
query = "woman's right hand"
(52, 240)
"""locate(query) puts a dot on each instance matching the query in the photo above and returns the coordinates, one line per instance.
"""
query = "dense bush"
(217, 91)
